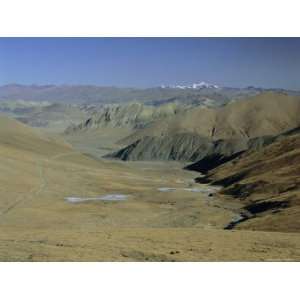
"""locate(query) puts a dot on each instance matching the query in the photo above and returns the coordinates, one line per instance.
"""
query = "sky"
(148, 62)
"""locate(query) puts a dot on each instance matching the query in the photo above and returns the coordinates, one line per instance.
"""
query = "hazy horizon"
(138, 87)
(151, 62)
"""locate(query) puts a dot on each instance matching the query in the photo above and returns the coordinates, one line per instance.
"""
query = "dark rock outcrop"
(187, 147)
(182, 147)
(227, 150)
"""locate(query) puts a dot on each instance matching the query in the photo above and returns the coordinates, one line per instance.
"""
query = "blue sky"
(146, 62)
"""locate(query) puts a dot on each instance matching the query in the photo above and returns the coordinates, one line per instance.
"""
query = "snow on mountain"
(194, 86)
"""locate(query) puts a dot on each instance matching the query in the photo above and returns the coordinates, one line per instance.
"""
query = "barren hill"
(267, 182)
(132, 115)
(265, 114)
(20, 137)
(53, 116)
(230, 129)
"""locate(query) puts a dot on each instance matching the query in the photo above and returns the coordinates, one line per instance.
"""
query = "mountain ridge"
(111, 94)
(221, 131)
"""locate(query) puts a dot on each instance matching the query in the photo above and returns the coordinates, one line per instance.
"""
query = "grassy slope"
(267, 182)
(37, 224)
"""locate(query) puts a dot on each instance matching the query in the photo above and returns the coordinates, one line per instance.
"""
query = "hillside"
(131, 115)
(266, 182)
(39, 173)
(53, 116)
(188, 147)
(56, 117)
(265, 114)
(235, 127)
(19, 137)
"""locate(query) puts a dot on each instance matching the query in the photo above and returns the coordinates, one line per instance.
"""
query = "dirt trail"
(35, 191)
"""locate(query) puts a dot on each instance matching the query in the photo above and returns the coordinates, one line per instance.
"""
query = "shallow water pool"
(166, 189)
(108, 197)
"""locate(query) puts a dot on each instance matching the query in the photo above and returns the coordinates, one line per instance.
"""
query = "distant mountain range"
(156, 95)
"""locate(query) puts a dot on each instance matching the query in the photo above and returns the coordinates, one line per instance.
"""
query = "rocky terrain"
(265, 114)
(188, 147)
(214, 133)
(132, 115)
(266, 181)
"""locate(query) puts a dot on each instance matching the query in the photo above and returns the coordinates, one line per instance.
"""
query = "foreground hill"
(18, 137)
(220, 131)
(266, 182)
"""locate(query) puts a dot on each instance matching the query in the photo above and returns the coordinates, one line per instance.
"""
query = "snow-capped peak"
(204, 84)
(195, 86)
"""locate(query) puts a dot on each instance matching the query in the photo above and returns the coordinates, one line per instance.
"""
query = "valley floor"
(166, 216)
